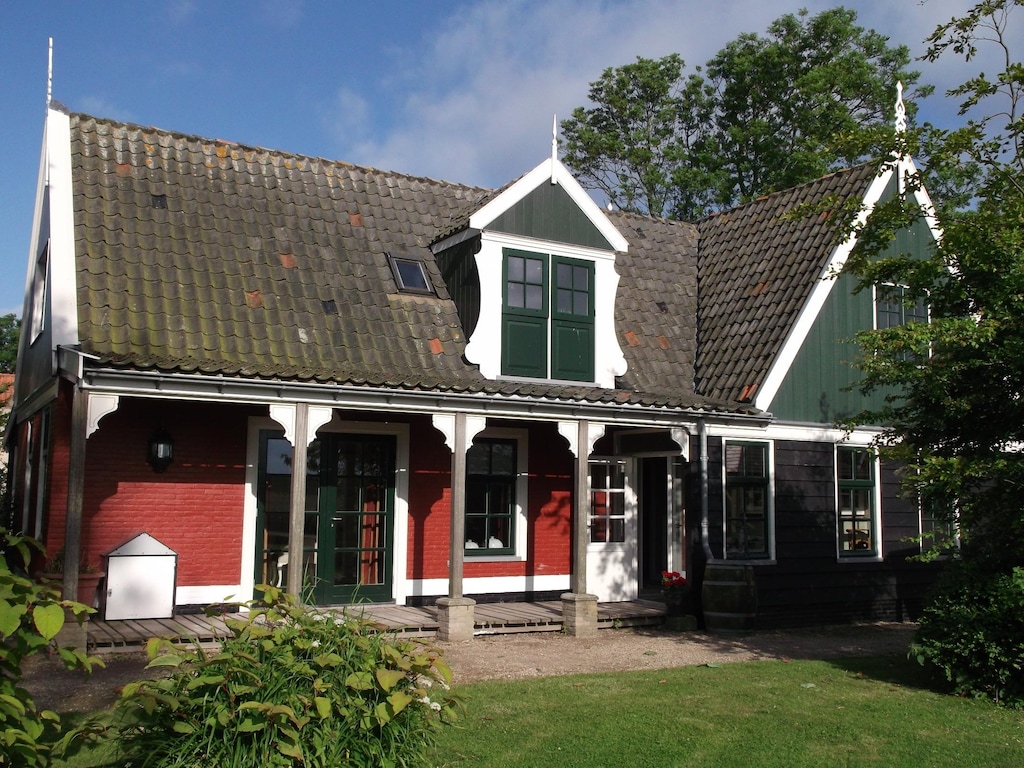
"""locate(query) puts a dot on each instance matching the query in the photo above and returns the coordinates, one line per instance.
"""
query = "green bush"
(973, 632)
(31, 615)
(290, 686)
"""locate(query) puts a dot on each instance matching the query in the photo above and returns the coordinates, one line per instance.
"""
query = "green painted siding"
(458, 268)
(817, 387)
(548, 213)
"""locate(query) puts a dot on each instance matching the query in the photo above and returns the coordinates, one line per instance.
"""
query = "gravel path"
(508, 657)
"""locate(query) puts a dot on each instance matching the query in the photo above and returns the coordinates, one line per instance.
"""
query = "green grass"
(874, 712)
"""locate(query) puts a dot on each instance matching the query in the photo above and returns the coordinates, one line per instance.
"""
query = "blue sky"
(463, 91)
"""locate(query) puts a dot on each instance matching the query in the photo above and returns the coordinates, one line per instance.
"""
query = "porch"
(489, 619)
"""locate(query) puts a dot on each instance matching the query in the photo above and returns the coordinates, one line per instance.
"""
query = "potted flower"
(89, 578)
(676, 592)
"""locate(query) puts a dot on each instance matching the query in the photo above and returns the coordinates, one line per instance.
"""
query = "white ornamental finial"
(49, 75)
(554, 146)
(901, 110)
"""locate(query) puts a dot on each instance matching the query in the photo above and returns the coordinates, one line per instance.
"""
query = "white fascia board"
(551, 171)
(819, 294)
(810, 433)
(63, 296)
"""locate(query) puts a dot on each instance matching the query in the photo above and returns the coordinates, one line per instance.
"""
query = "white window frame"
(876, 553)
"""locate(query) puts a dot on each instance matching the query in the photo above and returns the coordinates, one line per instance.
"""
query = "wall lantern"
(161, 450)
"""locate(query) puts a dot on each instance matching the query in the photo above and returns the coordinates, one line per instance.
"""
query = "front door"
(612, 550)
(349, 521)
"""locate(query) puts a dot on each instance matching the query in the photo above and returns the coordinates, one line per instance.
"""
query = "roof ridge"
(281, 152)
(789, 190)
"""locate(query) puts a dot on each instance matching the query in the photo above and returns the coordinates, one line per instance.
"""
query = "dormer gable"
(532, 269)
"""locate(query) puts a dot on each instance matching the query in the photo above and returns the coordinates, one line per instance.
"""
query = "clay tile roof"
(758, 265)
(201, 256)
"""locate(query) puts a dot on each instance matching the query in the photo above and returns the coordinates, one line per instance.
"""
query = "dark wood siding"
(458, 268)
(807, 584)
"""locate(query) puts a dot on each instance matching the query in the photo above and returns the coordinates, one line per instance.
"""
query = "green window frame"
(857, 526)
(491, 508)
(547, 300)
(747, 500)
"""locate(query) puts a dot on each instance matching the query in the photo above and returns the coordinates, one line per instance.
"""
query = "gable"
(549, 213)
(820, 385)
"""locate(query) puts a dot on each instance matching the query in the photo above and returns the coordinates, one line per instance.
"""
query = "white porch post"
(297, 500)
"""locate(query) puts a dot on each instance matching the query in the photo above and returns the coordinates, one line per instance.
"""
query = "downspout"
(704, 540)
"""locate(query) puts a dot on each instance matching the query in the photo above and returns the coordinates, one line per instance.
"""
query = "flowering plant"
(673, 581)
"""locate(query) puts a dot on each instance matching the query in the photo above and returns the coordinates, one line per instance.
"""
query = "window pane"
(581, 304)
(564, 300)
(516, 295)
(516, 268)
(534, 297)
(412, 275)
(534, 271)
(564, 275)
(580, 278)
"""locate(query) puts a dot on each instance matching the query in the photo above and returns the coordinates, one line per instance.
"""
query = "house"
(496, 394)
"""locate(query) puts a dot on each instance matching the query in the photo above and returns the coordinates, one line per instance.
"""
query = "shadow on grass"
(894, 670)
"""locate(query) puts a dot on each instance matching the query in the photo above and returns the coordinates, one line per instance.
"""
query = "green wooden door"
(356, 535)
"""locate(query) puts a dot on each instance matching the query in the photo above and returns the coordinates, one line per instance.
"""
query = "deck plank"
(408, 621)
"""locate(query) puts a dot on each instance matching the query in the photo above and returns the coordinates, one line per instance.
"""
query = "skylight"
(410, 274)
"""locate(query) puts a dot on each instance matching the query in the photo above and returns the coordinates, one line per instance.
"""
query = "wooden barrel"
(729, 595)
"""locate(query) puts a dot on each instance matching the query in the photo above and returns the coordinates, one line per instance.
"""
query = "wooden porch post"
(76, 485)
(579, 609)
(297, 501)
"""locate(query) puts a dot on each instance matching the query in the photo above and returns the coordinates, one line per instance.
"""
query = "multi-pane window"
(937, 529)
(491, 496)
(892, 308)
(855, 472)
(747, 499)
(607, 501)
(548, 317)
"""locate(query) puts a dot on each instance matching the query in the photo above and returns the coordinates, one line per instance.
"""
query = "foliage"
(765, 113)
(954, 411)
(289, 686)
(958, 422)
(973, 631)
(10, 330)
(31, 615)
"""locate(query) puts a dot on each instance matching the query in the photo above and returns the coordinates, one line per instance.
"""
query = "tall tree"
(959, 422)
(10, 330)
(647, 129)
(764, 114)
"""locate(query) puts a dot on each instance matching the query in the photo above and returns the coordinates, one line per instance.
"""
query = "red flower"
(672, 580)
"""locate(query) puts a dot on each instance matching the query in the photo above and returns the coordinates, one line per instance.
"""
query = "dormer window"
(410, 274)
(548, 316)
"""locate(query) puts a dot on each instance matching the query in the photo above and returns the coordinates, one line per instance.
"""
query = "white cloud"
(474, 103)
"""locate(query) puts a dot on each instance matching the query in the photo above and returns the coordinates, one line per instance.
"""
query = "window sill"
(486, 557)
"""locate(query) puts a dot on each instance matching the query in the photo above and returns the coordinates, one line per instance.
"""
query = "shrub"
(289, 686)
(31, 615)
(973, 632)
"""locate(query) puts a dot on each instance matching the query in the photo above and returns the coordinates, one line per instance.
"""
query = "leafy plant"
(31, 616)
(973, 632)
(290, 686)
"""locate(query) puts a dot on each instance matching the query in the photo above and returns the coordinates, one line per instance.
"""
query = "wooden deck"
(491, 619)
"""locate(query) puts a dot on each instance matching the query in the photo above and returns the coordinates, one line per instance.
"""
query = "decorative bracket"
(99, 406)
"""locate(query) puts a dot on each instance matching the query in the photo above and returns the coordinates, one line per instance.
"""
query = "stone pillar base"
(579, 614)
(455, 619)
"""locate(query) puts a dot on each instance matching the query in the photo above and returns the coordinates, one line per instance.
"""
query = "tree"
(644, 141)
(764, 114)
(10, 330)
(955, 412)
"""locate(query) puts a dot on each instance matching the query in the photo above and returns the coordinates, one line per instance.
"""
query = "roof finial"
(901, 109)
(554, 146)
(49, 75)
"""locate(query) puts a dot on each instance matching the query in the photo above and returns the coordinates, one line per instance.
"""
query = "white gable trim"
(554, 172)
(783, 362)
(63, 296)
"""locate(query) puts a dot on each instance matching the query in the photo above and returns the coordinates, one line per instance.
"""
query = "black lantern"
(161, 450)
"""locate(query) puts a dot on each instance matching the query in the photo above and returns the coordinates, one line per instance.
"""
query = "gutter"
(233, 390)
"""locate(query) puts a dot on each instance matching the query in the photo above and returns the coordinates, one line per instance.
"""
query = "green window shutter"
(572, 319)
(524, 324)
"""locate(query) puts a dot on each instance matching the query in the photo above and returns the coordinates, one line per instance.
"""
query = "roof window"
(410, 274)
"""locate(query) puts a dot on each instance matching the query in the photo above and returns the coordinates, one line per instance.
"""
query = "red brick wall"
(195, 507)
(548, 508)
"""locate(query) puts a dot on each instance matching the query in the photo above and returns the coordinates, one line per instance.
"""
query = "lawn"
(875, 712)
(854, 712)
